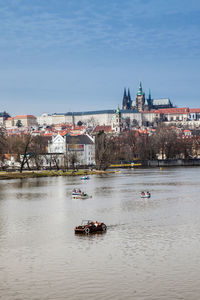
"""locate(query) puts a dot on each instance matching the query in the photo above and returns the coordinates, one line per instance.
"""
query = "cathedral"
(143, 104)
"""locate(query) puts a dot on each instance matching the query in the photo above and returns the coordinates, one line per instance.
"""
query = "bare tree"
(20, 145)
(73, 159)
(103, 151)
(3, 144)
(38, 148)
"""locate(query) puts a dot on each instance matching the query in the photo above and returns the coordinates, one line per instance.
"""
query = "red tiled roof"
(25, 117)
(180, 110)
(48, 134)
(63, 132)
(195, 110)
(105, 128)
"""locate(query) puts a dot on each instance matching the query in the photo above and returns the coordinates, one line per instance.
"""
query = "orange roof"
(25, 117)
(9, 118)
(105, 128)
(63, 132)
(48, 134)
(195, 110)
(180, 110)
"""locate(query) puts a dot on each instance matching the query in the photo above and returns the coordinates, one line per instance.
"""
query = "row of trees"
(165, 143)
(31, 152)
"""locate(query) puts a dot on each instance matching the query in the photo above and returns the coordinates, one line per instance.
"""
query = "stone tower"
(116, 124)
(140, 99)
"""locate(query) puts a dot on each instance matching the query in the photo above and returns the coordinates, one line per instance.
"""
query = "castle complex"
(134, 112)
(131, 109)
(141, 103)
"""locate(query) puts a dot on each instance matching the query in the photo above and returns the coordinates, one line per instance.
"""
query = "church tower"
(116, 123)
(125, 100)
(149, 100)
(140, 99)
(129, 103)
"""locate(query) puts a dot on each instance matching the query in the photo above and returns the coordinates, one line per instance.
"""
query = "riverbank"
(35, 174)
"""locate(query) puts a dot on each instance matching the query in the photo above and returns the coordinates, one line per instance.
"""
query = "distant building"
(141, 103)
(81, 145)
(116, 124)
(25, 120)
(3, 116)
(45, 119)
(94, 118)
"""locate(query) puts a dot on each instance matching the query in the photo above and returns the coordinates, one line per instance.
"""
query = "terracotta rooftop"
(181, 110)
(25, 117)
(195, 110)
(105, 128)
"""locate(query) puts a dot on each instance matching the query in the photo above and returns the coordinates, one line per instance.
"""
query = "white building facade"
(101, 117)
(82, 146)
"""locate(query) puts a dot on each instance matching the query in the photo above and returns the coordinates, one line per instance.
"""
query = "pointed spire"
(124, 93)
(149, 95)
(140, 92)
(125, 100)
(118, 110)
(129, 95)
(129, 102)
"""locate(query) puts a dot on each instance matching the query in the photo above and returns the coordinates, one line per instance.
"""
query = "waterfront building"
(81, 146)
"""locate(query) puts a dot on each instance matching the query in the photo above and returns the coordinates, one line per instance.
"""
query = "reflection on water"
(150, 250)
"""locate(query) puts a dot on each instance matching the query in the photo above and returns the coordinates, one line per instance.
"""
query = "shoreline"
(4, 175)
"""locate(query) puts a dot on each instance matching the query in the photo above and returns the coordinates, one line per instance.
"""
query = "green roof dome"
(140, 92)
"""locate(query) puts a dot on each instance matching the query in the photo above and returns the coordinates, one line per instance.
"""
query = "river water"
(151, 249)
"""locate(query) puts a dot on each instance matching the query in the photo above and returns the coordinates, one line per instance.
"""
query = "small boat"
(77, 194)
(88, 226)
(145, 194)
(85, 177)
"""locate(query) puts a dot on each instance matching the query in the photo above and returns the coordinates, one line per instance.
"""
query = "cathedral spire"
(129, 95)
(149, 95)
(129, 103)
(140, 92)
(149, 100)
(125, 100)
(124, 93)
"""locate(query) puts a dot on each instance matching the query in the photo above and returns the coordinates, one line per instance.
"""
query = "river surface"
(151, 249)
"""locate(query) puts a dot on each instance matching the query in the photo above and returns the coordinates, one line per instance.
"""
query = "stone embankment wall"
(172, 163)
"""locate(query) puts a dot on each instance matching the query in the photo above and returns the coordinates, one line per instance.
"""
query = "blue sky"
(74, 55)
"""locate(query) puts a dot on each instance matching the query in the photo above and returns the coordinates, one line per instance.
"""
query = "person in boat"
(148, 194)
(142, 193)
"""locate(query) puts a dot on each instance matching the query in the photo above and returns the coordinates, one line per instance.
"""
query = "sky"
(78, 55)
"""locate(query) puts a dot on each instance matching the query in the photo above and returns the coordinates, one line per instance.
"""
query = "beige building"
(101, 117)
(9, 123)
(25, 121)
